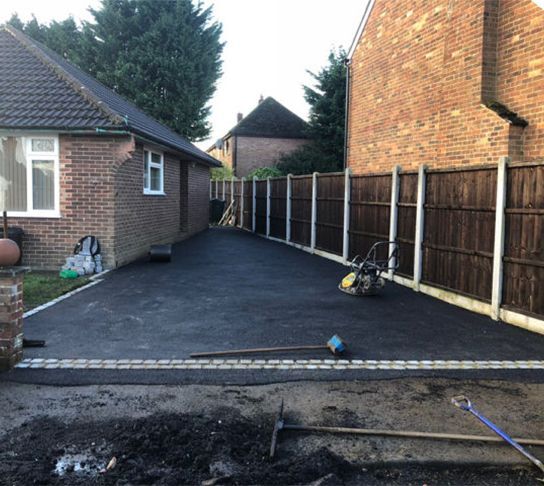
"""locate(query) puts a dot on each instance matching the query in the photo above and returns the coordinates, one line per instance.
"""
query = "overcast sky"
(270, 44)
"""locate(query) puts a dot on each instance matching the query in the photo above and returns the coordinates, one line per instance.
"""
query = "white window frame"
(30, 156)
(147, 190)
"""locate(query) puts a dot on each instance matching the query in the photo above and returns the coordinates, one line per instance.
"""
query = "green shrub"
(264, 173)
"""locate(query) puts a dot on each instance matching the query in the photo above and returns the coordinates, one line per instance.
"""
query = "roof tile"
(40, 89)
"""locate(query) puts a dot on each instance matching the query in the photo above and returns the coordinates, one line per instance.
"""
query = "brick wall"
(255, 152)
(140, 219)
(86, 203)
(421, 73)
(520, 69)
(101, 192)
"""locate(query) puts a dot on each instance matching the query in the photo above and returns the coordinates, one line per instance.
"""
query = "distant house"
(78, 159)
(446, 84)
(261, 138)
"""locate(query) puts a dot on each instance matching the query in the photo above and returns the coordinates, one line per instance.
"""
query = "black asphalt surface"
(228, 289)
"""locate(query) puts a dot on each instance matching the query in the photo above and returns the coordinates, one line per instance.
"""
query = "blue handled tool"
(464, 404)
(336, 345)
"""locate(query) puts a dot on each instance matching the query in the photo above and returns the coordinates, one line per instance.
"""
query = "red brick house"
(261, 138)
(446, 83)
(78, 159)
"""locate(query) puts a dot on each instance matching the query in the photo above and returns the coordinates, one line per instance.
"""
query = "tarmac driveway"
(230, 289)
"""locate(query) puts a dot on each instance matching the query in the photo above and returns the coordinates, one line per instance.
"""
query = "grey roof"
(40, 89)
(272, 120)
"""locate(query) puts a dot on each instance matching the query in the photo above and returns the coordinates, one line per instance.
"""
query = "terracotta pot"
(9, 252)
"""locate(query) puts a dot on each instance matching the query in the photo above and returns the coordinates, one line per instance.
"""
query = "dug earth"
(206, 435)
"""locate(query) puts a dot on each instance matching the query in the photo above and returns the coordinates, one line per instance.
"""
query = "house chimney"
(261, 99)
(239, 117)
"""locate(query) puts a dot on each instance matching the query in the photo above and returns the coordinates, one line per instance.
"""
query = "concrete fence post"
(288, 209)
(254, 212)
(347, 199)
(232, 191)
(216, 188)
(314, 212)
(393, 219)
(268, 207)
(211, 189)
(242, 183)
(223, 189)
(11, 316)
(498, 245)
(420, 215)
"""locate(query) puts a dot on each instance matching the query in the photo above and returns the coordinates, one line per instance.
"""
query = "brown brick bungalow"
(78, 159)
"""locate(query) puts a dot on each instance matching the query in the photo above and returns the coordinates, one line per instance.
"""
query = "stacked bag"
(86, 260)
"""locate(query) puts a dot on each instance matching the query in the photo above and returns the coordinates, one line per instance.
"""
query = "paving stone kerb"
(11, 316)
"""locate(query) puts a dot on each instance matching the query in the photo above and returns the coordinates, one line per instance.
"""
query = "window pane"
(146, 169)
(156, 158)
(12, 174)
(43, 184)
(43, 145)
(155, 179)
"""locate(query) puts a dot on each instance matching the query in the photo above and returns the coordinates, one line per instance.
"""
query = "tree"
(164, 56)
(325, 151)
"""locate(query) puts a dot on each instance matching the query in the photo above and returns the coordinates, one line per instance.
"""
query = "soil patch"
(177, 449)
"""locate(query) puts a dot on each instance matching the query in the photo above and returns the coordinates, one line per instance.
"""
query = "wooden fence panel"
(459, 229)
(406, 223)
(301, 209)
(278, 203)
(260, 202)
(228, 186)
(330, 212)
(523, 281)
(237, 202)
(370, 207)
(248, 205)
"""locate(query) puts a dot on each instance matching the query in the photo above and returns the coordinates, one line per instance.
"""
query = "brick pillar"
(11, 316)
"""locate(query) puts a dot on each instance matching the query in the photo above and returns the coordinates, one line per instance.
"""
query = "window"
(29, 175)
(153, 172)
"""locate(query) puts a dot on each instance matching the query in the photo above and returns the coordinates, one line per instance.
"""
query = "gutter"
(144, 138)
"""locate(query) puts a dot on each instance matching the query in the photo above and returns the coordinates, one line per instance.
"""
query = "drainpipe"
(347, 63)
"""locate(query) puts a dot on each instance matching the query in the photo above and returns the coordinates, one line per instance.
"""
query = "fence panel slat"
(523, 277)
(260, 201)
(301, 210)
(458, 243)
(406, 223)
(369, 213)
(330, 212)
(237, 202)
(248, 204)
(278, 194)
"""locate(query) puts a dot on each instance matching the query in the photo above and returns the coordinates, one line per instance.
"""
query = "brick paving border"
(275, 364)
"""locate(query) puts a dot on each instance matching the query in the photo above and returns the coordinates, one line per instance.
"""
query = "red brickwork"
(520, 69)
(86, 203)
(422, 72)
(11, 317)
(255, 152)
(101, 189)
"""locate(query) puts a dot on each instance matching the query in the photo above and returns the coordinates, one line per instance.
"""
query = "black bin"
(217, 208)
(16, 234)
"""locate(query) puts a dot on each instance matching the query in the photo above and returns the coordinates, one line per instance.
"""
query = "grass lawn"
(41, 287)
